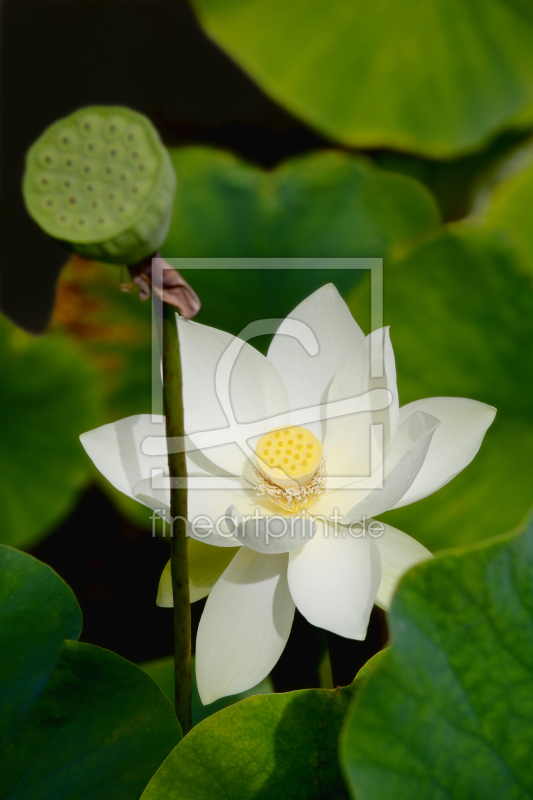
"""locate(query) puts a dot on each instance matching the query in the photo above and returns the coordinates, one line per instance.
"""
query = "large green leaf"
(449, 710)
(324, 205)
(269, 746)
(49, 396)
(162, 671)
(321, 205)
(435, 78)
(461, 317)
(76, 721)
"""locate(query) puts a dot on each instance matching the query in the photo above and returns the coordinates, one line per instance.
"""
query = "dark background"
(152, 56)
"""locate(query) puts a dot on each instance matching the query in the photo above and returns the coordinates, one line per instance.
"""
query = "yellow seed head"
(279, 461)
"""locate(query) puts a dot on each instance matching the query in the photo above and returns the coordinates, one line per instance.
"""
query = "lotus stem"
(173, 401)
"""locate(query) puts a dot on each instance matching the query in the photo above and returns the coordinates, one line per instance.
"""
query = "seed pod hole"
(66, 139)
(113, 127)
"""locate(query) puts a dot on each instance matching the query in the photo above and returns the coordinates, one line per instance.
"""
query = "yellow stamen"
(293, 499)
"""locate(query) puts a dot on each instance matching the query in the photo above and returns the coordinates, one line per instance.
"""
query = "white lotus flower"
(332, 572)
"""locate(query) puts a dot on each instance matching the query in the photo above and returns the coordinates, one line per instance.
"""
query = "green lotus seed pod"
(101, 183)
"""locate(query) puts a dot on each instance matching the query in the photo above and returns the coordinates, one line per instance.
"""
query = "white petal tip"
(162, 603)
(355, 636)
(207, 699)
(165, 598)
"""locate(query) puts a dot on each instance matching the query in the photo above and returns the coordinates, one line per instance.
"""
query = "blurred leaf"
(436, 79)
(454, 183)
(268, 746)
(461, 317)
(511, 202)
(49, 396)
(114, 330)
(162, 672)
(323, 205)
(449, 710)
(76, 721)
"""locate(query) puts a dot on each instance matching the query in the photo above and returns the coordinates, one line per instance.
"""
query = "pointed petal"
(164, 590)
(454, 445)
(206, 565)
(334, 580)
(307, 377)
(245, 625)
(399, 552)
(246, 387)
(400, 469)
(116, 450)
(347, 438)
(381, 357)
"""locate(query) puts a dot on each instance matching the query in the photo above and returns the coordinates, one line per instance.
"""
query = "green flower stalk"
(173, 398)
